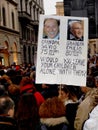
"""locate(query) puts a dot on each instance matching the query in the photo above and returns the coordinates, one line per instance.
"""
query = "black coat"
(7, 123)
(71, 109)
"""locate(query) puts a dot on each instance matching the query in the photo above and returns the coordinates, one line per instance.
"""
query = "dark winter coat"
(7, 123)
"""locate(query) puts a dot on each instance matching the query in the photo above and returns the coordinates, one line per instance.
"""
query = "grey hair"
(74, 21)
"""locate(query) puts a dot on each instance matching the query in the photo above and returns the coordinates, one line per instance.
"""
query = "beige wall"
(9, 37)
(9, 8)
(93, 46)
(59, 8)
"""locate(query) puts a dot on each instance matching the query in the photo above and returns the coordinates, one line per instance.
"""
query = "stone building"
(9, 33)
(59, 8)
(29, 11)
(19, 20)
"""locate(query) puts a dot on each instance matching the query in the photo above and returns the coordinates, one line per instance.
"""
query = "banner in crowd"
(62, 50)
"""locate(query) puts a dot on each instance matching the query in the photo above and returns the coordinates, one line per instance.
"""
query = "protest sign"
(62, 59)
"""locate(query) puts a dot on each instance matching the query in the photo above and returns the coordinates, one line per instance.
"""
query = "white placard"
(63, 60)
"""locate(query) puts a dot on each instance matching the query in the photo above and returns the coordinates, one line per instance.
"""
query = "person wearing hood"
(27, 86)
(52, 115)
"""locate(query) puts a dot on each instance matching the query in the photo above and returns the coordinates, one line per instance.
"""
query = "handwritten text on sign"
(50, 65)
(61, 61)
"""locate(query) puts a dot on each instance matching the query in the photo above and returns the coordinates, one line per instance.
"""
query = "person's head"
(27, 112)
(76, 28)
(52, 108)
(25, 80)
(51, 27)
(63, 92)
(68, 92)
(26, 105)
(90, 82)
(13, 90)
(3, 91)
(5, 80)
(6, 106)
(27, 86)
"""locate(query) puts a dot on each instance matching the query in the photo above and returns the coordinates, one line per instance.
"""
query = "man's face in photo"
(77, 29)
(51, 28)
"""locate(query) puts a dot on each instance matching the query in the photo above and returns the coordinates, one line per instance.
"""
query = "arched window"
(4, 16)
(13, 21)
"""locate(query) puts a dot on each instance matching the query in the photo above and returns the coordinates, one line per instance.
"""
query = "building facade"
(9, 33)
(19, 20)
(59, 8)
(29, 11)
(85, 8)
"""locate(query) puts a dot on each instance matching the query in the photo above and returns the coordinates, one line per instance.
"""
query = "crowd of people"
(25, 105)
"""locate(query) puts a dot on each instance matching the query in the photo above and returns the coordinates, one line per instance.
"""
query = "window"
(24, 31)
(21, 8)
(28, 34)
(32, 35)
(26, 3)
(13, 21)
(4, 17)
(34, 11)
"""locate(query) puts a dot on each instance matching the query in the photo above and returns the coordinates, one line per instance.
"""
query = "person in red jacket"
(26, 86)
